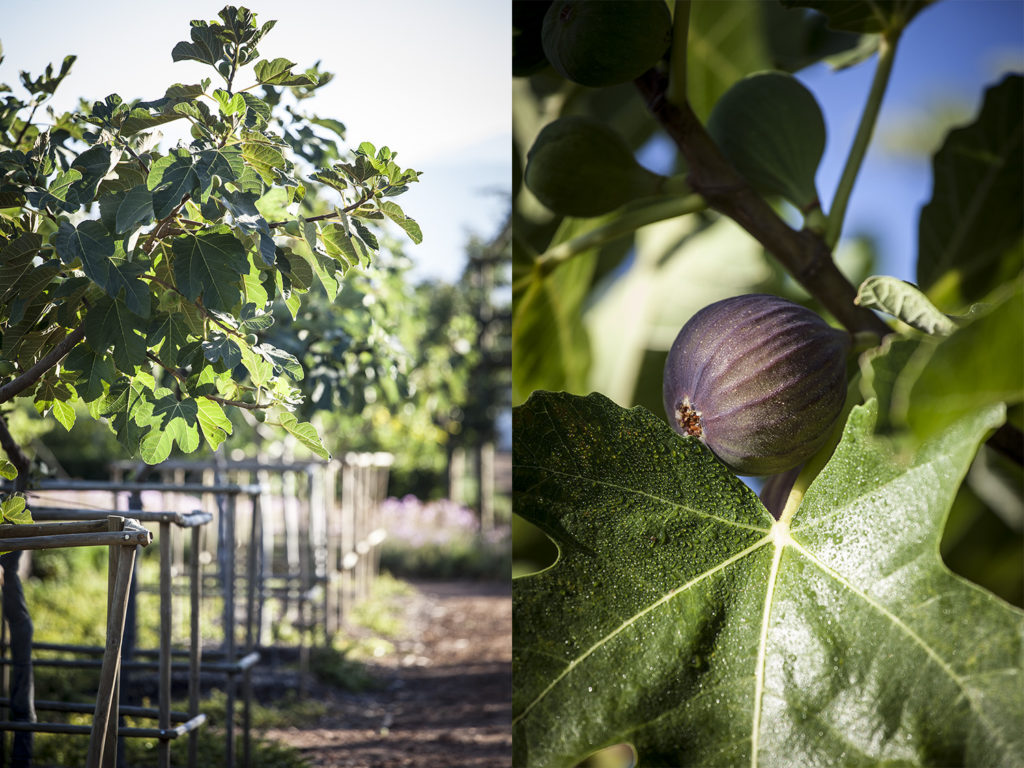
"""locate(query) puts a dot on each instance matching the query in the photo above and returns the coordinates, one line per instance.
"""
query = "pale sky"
(430, 80)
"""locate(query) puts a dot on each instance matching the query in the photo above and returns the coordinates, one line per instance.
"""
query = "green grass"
(69, 607)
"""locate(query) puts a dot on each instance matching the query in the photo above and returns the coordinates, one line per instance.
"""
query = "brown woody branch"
(364, 199)
(802, 252)
(222, 400)
(13, 388)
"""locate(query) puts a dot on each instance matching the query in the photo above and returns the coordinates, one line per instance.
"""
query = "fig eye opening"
(688, 418)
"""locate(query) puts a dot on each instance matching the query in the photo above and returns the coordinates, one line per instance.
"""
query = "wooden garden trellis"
(318, 534)
(122, 536)
(231, 663)
(188, 723)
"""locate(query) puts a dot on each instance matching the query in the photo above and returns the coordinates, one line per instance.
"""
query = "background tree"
(141, 282)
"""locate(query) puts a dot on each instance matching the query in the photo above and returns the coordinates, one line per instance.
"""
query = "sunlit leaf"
(278, 72)
(305, 433)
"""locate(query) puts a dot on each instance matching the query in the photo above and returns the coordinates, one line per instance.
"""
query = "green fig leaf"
(725, 43)
(924, 385)
(771, 128)
(970, 232)
(681, 618)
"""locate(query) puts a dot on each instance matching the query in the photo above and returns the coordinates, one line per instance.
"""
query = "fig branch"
(803, 253)
(15, 387)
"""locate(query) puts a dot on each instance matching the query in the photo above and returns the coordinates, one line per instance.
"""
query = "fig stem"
(622, 224)
(677, 63)
(883, 69)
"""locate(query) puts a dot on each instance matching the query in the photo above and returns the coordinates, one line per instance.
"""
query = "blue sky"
(430, 80)
(949, 54)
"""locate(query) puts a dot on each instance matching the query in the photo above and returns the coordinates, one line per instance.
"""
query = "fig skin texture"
(759, 379)
(578, 166)
(605, 42)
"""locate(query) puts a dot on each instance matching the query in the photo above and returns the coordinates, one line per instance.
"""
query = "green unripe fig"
(605, 42)
(771, 129)
(578, 166)
(760, 380)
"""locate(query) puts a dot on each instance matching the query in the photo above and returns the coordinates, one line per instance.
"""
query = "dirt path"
(445, 698)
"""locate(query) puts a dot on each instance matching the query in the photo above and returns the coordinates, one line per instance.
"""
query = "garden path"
(445, 694)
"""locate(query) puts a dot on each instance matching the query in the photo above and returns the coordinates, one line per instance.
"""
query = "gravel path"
(445, 695)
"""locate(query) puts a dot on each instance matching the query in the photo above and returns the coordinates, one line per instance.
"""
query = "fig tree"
(760, 380)
(771, 128)
(605, 42)
(578, 166)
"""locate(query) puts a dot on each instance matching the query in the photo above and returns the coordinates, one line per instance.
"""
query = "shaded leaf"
(59, 195)
(135, 209)
(681, 618)
(170, 179)
(205, 46)
(970, 231)
(109, 323)
(92, 244)
(16, 258)
(95, 163)
(169, 335)
(93, 370)
(210, 265)
(223, 348)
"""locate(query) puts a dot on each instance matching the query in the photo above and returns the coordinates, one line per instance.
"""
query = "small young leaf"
(904, 301)
(64, 413)
(7, 470)
(13, 510)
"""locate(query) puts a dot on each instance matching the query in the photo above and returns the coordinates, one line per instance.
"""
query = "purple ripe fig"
(760, 380)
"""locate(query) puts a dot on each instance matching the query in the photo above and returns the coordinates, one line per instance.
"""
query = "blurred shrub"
(441, 540)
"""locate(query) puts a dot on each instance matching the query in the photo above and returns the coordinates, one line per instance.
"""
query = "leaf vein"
(633, 619)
